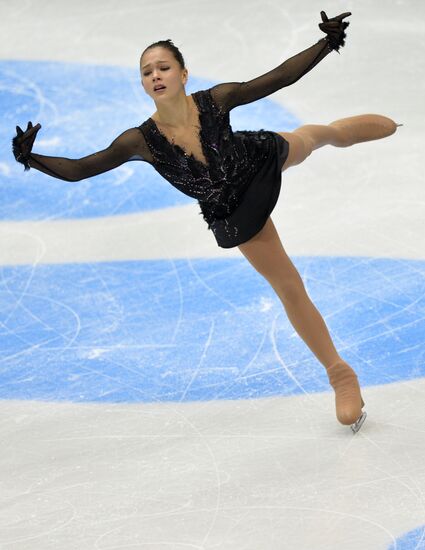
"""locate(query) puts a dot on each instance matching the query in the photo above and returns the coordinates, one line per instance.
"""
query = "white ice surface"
(275, 473)
(252, 474)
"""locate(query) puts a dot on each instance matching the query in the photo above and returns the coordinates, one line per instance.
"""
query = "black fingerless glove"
(22, 143)
(334, 29)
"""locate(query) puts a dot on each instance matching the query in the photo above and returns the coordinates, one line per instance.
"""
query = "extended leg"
(305, 139)
(340, 133)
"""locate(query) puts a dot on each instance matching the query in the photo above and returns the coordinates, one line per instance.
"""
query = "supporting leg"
(267, 255)
(310, 325)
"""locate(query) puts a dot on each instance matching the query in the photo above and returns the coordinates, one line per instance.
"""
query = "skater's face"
(159, 67)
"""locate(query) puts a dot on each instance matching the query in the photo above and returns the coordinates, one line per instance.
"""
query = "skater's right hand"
(335, 29)
(22, 143)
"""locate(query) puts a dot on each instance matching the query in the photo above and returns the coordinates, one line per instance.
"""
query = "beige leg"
(267, 255)
(339, 133)
(305, 139)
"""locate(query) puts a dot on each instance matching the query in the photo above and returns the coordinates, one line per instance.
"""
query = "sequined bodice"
(233, 159)
(189, 140)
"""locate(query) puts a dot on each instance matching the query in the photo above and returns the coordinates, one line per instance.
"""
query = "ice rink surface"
(153, 393)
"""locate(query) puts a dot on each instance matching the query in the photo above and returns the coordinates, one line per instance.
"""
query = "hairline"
(173, 56)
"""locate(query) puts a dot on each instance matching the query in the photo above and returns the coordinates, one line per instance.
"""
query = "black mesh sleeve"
(128, 146)
(231, 94)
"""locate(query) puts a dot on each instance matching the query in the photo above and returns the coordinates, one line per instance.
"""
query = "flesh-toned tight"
(266, 253)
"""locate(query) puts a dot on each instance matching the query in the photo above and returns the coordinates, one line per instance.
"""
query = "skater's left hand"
(335, 29)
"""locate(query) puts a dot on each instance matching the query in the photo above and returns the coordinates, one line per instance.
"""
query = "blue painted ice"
(414, 540)
(188, 330)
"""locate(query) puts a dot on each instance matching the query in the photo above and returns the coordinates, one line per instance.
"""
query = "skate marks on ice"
(213, 472)
(209, 409)
(123, 331)
(414, 540)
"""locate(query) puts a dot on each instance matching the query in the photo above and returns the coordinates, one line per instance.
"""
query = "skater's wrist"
(328, 43)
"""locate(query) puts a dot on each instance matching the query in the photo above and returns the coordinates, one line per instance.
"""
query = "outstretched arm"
(130, 145)
(231, 94)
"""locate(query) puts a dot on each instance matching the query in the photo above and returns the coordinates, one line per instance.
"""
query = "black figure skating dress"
(239, 187)
(240, 184)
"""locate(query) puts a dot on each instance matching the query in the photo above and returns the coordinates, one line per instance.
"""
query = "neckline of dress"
(175, 145)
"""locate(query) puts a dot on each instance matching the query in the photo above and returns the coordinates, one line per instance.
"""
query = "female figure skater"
(235, 176)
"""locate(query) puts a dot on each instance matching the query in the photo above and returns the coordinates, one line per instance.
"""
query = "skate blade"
(359, 423)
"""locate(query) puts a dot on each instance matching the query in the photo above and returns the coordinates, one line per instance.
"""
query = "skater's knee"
(306, 138)
(289, 290)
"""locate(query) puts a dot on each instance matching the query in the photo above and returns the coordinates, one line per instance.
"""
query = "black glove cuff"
(337, 39)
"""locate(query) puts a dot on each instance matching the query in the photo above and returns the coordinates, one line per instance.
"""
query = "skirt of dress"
(258, 200)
